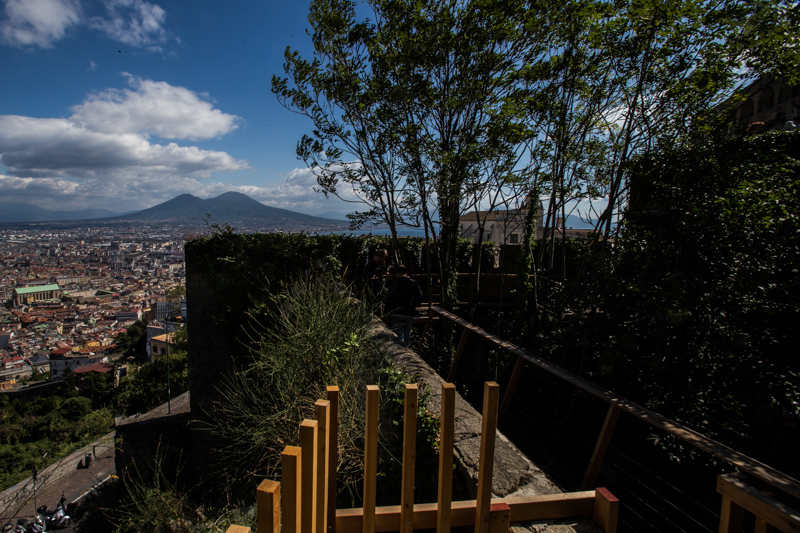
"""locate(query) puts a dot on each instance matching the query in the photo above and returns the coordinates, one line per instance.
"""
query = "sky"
(124, 104)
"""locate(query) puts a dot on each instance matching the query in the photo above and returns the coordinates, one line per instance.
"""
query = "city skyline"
(124, 104)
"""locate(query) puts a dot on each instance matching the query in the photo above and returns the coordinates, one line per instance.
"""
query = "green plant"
(310, 335)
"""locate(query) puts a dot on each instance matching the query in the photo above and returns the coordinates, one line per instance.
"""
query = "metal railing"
(617, 405)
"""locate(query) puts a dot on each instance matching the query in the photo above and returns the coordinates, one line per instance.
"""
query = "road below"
(68, 477)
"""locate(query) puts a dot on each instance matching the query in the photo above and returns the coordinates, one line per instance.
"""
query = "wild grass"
(313, 334)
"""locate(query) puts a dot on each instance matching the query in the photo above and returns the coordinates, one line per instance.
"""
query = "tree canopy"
(423, 110)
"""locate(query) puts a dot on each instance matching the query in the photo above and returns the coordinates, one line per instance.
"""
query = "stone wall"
(514, 473)
(163, 432)
(209, 356)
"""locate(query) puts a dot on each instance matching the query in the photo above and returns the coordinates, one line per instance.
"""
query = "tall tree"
(352, 149)
(457, 67)
(426, 101)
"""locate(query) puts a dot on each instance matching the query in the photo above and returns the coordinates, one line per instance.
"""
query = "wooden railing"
(738, 497)
(305, 500)
(736, 493)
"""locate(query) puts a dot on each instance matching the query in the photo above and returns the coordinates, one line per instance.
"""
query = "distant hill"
(230, 207)
(575, 222)
(333, 215)
(20, 212)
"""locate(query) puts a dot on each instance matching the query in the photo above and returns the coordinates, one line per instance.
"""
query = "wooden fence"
(305, 500)
(738, 495)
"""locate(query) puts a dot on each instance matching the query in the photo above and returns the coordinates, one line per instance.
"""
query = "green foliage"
(152, 498)
(692, 312)
(311, 335)
(146, 385)
(133, 343)
(706, 284)
(54, 425)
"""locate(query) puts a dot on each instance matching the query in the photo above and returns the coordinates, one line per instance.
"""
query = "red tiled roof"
(101, 368)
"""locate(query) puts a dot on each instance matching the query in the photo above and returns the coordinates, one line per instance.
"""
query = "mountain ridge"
(230, 207)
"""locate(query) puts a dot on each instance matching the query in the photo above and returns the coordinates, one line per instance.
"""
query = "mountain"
(20, 212)
(230, 207)
(575, 222)
(334, 215)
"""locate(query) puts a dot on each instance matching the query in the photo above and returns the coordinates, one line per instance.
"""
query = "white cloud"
(103, 154)
(133, 22)
(34, 147)
(153, 107)
(42, 23)
(38, 22)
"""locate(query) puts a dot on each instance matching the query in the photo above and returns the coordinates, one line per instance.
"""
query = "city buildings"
(69, 291)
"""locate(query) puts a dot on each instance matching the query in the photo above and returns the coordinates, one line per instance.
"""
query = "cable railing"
(577, 456)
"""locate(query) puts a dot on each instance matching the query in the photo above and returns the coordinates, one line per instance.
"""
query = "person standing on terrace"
(373, 272)
(403, 297)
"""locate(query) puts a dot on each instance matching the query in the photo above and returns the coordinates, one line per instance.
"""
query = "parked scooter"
(25, 526)
(57, 518)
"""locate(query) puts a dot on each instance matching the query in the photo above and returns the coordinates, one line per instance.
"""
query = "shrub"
(314, 334)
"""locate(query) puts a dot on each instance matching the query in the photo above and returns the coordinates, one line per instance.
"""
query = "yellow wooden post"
(371, 458)
(731, 517)
(499, 518)
(446, 432)
(291, 481)
(596, 462)
(333, 455)
(268, 506)
(308, 442)
(238, 529)
(606, 510)
(409, 459)
(491, 393)
(322, 415)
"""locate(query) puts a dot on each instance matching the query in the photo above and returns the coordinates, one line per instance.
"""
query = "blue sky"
(123, 104)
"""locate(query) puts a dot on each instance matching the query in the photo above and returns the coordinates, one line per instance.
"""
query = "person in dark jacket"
(373, 272)
(403, 296)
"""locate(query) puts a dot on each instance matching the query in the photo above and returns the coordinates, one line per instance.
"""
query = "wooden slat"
(499, 518)
(764, 472)
(546, 506)
(333, 456)
(491, 393)
(519, 365)
(238, 529)
(600, 449)
(308, 442)
(446, 440)
(763, 527)
(742, 495)
(731, 517)
(291, 483)
(424, 335)
(371, 458)
(606, 510)
(322, 416)
(457, 357)
(268, 506)
(409, 458)
(523, 508)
